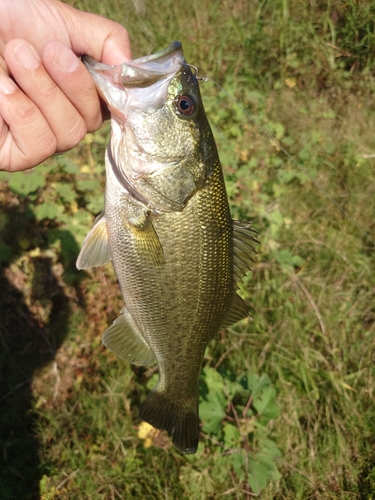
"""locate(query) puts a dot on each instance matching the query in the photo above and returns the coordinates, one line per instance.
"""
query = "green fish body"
(167, 228)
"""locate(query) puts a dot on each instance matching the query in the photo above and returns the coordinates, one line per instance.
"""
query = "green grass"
(68, 419)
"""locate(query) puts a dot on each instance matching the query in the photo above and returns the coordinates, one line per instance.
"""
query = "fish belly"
(180, 303)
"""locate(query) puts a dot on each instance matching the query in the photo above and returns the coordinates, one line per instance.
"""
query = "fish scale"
(166, 226)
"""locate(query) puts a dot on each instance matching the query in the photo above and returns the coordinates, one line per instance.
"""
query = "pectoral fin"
(146, 239)
(124, 338)
(95, 249)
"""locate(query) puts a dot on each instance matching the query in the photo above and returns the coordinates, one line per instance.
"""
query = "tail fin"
(179, 419)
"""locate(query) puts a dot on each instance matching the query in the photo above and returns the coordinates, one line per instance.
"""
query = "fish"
(167, 228)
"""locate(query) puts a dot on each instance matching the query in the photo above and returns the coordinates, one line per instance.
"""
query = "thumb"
(96, 36)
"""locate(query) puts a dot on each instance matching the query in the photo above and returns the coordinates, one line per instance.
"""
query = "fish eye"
(186, 104)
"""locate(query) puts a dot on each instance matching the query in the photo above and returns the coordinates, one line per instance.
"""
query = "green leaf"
(5, 252)
(152, 381)
(88, 185)
(95, 202)
(69, 166)
(4, 219)
(263, 466)
(257, 384)
(269, 451)
(199, 484)
(287, 260)
(5, 176)
(65, 191)
(48, 211)
(234, 388)
(238, 460)
(232, 436)
(258, 476)
(24, 183)
(265, 404)
(79, 224)
(279, 130)
(212, 412)
(213, 379)
(68, 246)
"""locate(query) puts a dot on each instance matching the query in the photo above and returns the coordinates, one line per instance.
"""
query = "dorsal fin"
(243, 249)
(237, 311)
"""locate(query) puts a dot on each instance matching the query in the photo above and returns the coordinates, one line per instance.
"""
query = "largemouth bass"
(167, 228)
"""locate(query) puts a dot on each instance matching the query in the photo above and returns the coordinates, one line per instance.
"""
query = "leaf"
(48, 211)
(279, 130)
(68, 166)
(269, 450)
(234, 388)
(258, 476)
(263, 466)
(5, 252)
(95, 202)
(80, 224)
(152, 381)
(88, 185)
(212, 412)
(238, 460)
(232, 435)
(65, 191)
(5, 176)
(4, 219)
(284, 257)
(213, 379)
(68, 247)
(265, 404)
(24, 183)
(197, 484)
(255, 383)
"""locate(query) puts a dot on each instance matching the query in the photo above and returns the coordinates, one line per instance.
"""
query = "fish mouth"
(145, 79)
(141, 72)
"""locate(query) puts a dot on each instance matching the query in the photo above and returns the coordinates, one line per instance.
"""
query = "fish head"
(161, 143)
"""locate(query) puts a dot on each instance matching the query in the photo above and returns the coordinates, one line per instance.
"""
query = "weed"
(69, 426)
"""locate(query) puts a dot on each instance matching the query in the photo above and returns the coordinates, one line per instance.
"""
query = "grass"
(69, 426)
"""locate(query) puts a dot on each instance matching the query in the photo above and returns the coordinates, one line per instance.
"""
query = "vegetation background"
(287, 398)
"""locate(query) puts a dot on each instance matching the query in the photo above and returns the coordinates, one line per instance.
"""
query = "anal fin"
(125, 339)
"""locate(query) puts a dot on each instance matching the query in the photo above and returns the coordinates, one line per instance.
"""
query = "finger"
(3, 66)
(72, 77)
(96, 36)
(25, 137)
(27, 69)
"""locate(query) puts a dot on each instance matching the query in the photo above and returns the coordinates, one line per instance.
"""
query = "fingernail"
(65, 59)
(7, 86)
(26, 55)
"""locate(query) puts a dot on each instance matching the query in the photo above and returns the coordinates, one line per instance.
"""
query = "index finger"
(25, 136)
(96, 36)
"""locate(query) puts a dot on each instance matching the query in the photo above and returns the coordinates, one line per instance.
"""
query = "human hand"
(48, 101)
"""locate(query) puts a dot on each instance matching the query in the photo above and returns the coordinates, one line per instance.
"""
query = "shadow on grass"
(27, 343)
